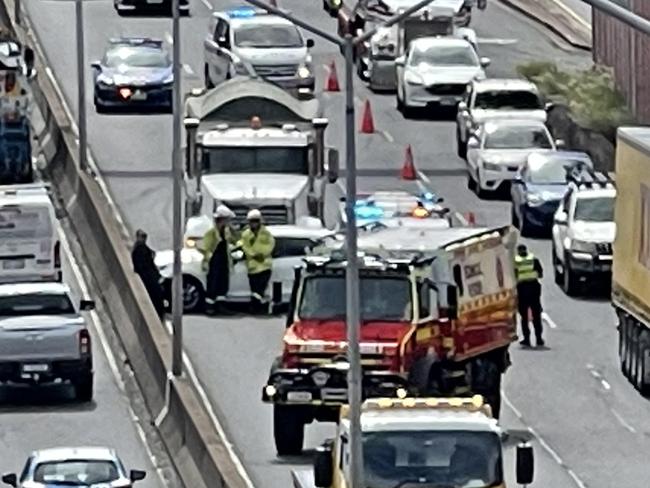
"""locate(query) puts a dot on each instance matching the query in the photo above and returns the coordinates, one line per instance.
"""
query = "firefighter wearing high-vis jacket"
(529, 270)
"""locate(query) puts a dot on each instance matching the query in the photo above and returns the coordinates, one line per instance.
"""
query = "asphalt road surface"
(589, 426)
(38, 418)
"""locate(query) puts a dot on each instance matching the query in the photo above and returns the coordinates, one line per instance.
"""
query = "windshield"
(515, 100)
(445, 56)
(268, 36)
(136, 57)
(595, 209)
(513, 137)
(76, 473)
(432, 458)
(387, 299)
(293, 160)
(554, 171)
(35, 304)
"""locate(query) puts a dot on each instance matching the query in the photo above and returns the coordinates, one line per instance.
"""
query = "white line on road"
(576, 479)
(572, 13)
(498, 42)
(547, 318)
(110, 357)
(606, 385)
(622, 421)
(169, 39)
(188, 70)
(207, 4)
(387, 135)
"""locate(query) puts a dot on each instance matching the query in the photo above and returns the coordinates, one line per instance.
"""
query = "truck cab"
(267, 149)
(422, 292)
(414, 441)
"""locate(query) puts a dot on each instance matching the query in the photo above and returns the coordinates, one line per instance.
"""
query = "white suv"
(583, 232)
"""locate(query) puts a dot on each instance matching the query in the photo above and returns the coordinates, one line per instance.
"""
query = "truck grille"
(272, 214)
(604, 248)
(368, 361)
(276, 70)
(448, 89)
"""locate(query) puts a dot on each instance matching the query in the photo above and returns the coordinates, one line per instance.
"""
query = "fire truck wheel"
(288, 430)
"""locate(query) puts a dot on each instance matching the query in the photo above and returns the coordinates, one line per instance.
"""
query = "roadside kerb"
(199, 453)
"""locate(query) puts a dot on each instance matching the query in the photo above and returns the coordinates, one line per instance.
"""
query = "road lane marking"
(189, 369)
(549, 321)
(207, 4)
(542, 442)
(188, 70)
(387, 136)
(497, 42)
(572, 13)
(110, 357)
(169, 39)
(622, 421)
(606, 385)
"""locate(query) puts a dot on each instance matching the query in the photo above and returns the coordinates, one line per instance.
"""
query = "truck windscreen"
(442, 458)
(292, 160)
(382, 299)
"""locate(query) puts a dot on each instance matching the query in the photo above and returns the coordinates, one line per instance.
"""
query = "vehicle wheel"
(84, 389)
(556, 272)
(480, 192)
(471, 184)
(570, 280)
(461, 147)
(494, 400)
(193, 295)
(288, 430)
(360, 69)
(206, 77)
(513, 217)
(524, 226)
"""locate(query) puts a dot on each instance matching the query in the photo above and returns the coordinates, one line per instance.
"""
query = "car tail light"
(57, 254)
(84, 341)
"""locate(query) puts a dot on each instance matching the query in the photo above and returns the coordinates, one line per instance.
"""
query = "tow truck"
(411, 441)
(438, 313)
(375, 59)
(268, 148)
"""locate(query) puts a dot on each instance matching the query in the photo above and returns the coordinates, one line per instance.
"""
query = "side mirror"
(525, 464)
(560, 218)
(400, 61)
(485, 62)
(96, 65)
(462, 106)
(86, 305)
(323, 470)
(310, 43)
(559, 143)
(137, 475)
(332, 165)
(191, 159)
(472, 143)
(549, 106)
(452, 302)
(10, 479)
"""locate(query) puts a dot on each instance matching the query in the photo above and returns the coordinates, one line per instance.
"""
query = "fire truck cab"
(437, 309)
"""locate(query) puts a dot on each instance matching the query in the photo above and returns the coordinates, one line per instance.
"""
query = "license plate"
(13, 264)
(299, 396)
(36, 368)
(139, 95)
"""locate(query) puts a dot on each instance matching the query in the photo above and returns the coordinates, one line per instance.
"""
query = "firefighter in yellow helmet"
(257, 243)
(217, 261)
(529, 270)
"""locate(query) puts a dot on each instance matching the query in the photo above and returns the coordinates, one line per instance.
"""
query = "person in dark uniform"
(529, 270)
(142, 257)
(217, 259)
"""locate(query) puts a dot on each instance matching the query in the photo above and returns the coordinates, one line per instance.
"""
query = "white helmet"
(223, 212)
(254, 215)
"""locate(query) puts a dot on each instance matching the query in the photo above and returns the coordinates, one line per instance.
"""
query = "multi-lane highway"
(48, 417)
(589, 425)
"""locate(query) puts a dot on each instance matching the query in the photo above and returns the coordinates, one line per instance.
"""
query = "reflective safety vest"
(211, 240)
(258, 249)
(525, 268)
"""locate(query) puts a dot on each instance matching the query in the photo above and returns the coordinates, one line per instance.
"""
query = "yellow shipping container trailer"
(631, 273)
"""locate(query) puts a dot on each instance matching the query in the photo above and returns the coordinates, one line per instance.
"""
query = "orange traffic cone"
(367, 123)
(332, 84)
(471, 218)
(408, 169)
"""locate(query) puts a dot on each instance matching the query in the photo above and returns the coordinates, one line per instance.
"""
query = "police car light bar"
(137, 41)
(475, 403)
(245, 12)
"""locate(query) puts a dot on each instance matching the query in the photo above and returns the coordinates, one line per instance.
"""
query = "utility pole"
(177, 175)
(353, 319)
(81, 87)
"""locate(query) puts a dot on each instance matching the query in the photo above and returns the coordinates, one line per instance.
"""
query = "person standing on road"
(529, 270)
(217, 260)
(142, 257)
(257, 243)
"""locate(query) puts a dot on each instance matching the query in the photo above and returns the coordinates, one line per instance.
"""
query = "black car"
(134, 73)
(135, 6)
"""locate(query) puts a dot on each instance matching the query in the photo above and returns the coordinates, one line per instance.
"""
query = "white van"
(30, 249)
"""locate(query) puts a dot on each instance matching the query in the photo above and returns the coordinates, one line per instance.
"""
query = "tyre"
(206, 77)
(461, 147)
(556, 272)
(570, 283)
(524, 225)
(193, 295)
(84, 389)
(514, 220)
(288, 430)
(471, 184)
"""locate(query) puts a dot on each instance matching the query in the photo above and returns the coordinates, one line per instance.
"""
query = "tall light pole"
(177, 175)
(81, 87)
(352, 270)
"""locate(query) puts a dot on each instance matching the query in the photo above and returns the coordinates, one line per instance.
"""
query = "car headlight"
(582, 246)
(304, 71)
(413, 78)
(169, 79)
(534, 199)
(105, 80)
(489, 166)
(480, 75)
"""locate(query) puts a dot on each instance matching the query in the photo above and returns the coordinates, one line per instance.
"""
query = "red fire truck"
(438, 313)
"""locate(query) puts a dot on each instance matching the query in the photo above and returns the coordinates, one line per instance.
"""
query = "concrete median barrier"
(194, 443)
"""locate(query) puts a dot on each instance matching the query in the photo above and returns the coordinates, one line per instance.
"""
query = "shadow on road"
(305, 459)
(28, 399)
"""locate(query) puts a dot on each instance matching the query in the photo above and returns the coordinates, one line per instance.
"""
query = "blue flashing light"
(429, 196)
(242, 13)
(367, 210)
